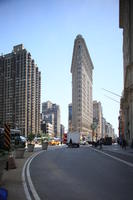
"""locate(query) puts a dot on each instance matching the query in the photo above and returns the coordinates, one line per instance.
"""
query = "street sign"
(7, 137)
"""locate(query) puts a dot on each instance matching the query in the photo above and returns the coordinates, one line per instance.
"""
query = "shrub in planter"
(44, 145)
(19, 147)
(44, 141)
(30, 145)
(19, 150)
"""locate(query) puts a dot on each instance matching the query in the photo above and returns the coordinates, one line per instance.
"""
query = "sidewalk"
(12, 180)
(118, 149)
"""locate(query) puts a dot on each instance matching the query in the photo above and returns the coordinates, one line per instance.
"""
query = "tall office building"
(82, 104)
(48, 108)
(97, 118)
(103, 127)
(126, 23)
(62, 131)
(20, 86)
(70, 117)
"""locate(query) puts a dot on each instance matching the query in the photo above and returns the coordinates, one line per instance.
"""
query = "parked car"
(21, 140)
(83, 142)
(54, 141)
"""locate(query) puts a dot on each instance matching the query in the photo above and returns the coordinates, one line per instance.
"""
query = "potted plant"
(19, 148)
(30, 144)
(44, 142)
(3, 161)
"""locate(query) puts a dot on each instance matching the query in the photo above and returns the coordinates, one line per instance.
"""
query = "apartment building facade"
(50, 109)
(70, 117)
(20, 91)
(97, 117)
(126, 23)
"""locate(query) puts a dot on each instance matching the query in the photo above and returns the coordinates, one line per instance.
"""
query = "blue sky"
(47, 28)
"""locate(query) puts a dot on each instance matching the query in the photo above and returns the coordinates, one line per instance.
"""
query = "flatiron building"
(82, 103)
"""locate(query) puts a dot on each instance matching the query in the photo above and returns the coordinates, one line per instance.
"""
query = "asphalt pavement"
(12, 179)
(84, 173)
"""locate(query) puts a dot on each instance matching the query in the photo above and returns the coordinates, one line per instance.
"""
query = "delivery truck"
(73, 139)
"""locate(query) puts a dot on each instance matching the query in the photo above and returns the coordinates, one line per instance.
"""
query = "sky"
(47, 28)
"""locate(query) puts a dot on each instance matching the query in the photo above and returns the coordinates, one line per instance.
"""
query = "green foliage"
(93, 126)
(30, 138)
(38, 135)
(44, 138)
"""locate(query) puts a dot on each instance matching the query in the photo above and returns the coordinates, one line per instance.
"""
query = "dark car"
(15, 138)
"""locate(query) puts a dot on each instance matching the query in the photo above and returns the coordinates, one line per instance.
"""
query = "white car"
(83, 142)
(23, 138)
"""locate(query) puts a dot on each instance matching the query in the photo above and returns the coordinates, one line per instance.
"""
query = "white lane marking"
(32, 188)
(28, 197)
(24, 182)
(35, 194)
(118, 159)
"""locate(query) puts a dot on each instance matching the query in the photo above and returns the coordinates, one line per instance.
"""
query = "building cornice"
(80, 39)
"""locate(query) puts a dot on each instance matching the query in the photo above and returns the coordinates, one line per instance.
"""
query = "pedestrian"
(96, 143)
(124, 143)
(100, 143)
(70, 143)
(120, 142)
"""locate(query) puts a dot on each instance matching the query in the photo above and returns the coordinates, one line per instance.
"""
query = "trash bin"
(3, 194)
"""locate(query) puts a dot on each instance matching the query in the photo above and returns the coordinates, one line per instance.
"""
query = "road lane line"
(115, 158)
(26, 169)
(32, 188)
(24, 182)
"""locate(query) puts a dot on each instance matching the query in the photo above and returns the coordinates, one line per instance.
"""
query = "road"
(80, 174)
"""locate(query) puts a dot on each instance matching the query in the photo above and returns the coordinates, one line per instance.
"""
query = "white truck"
(73, 139)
